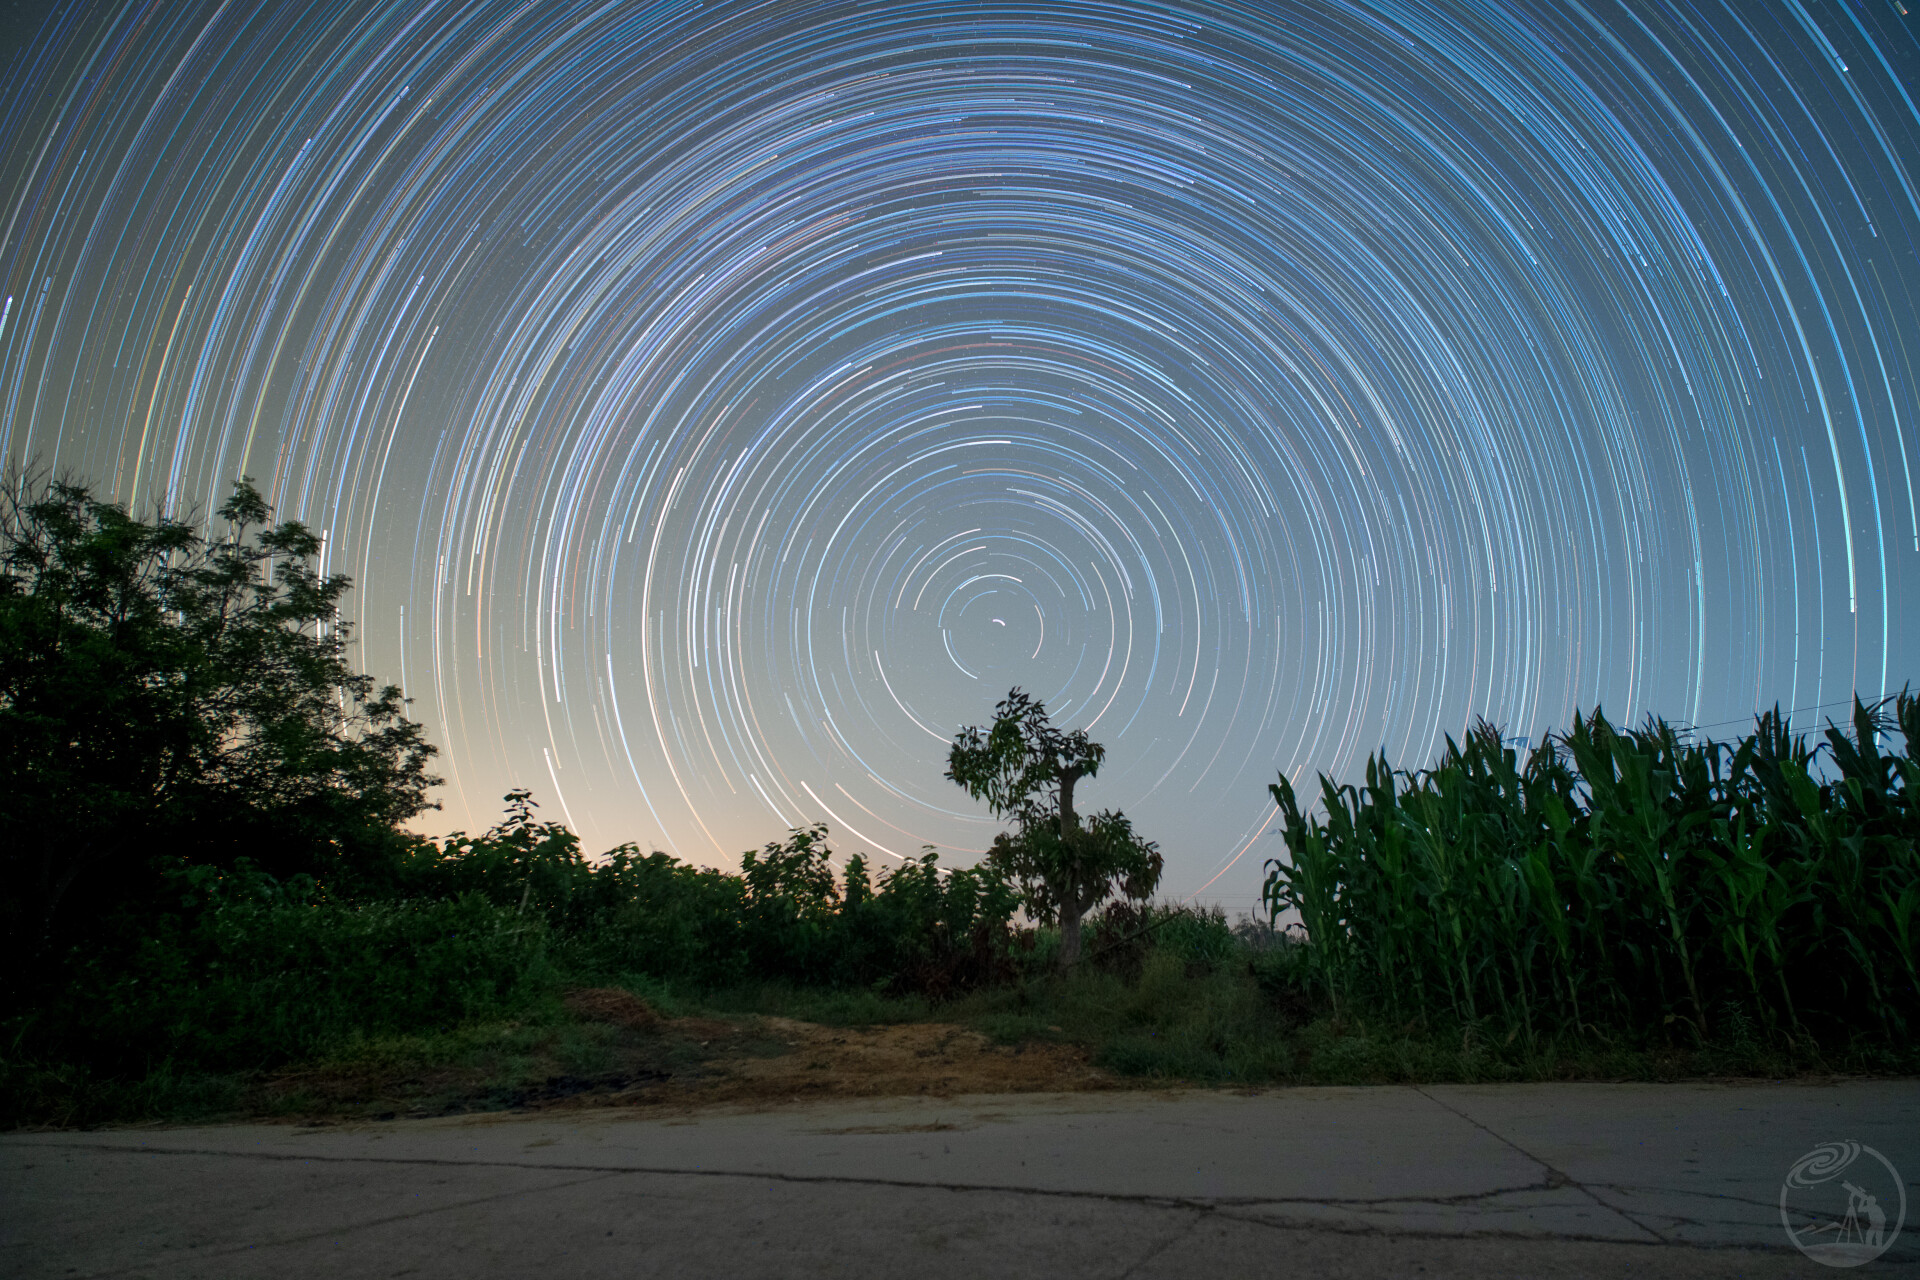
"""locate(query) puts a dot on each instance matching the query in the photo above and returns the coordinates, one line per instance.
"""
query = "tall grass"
(1623, 879)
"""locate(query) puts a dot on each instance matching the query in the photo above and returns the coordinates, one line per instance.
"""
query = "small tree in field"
(1027, 770)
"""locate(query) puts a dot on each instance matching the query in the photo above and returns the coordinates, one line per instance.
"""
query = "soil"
(934, 1058)
(644, 1060)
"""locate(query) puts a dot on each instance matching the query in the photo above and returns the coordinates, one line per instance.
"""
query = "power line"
(1842, 702)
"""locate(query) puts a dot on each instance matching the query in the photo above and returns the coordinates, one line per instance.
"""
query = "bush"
(1122, 937)
(788, 917)
(163, 691)
(248, 978)
(652, 915)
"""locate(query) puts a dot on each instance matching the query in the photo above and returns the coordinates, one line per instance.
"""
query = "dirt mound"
(611, 1004)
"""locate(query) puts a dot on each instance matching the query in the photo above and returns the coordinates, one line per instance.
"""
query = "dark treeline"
(207, 871)
(207, 867)
(232, 968)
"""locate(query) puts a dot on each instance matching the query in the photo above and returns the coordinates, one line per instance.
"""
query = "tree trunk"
(1069, 820)
(1070, 932)
(1071, 906)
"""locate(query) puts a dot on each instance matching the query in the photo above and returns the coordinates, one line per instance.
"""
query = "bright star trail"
(717, 405)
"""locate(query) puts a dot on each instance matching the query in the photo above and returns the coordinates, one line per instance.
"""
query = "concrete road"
(1515, 1180)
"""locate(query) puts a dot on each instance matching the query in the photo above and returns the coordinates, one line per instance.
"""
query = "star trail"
(717, 405)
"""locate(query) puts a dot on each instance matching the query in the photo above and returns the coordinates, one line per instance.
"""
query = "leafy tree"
(791, 902)
(793, 877)
(1026, 769)
(169, 693)
(522, 864)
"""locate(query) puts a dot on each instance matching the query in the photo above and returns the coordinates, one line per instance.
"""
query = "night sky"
(717, 405)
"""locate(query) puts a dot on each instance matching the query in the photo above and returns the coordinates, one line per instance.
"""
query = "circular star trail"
(718, 405)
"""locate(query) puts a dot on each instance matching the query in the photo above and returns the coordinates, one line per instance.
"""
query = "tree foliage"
(169, 692)
(1028, 770)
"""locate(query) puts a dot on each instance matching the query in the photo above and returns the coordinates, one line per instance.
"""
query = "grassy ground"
(1172, 1021)
(1216, 1025)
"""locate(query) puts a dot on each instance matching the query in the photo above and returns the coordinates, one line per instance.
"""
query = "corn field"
(1623, 880)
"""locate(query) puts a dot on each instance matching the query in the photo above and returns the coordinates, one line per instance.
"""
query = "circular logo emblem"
(1843, 1204)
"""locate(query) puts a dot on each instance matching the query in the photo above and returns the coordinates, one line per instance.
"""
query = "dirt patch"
(774, 1060)
(932, 1058)
(622, 1053)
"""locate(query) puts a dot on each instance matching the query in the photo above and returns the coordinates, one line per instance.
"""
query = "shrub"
(163, 691)
(247, 976)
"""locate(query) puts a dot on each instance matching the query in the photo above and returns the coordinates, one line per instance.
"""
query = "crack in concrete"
(191, 1254)
(1555, 1178)
(1221, 1206)
(696, 1171)
(1173, 1237)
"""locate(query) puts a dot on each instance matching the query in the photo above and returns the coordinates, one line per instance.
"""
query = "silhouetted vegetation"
(206, 880)
(231, 969)
(1766, 889)
(172, 695)
(1027, 770)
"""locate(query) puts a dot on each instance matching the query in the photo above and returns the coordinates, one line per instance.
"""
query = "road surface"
(1480, 1181)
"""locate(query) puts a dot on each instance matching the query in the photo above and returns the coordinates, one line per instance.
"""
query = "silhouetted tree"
(165, 692)
(1026, 769)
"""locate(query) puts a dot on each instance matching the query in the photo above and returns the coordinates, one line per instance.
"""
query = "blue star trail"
(718, 405)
